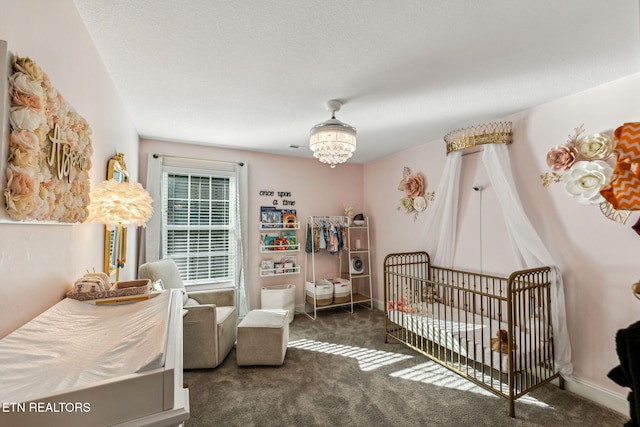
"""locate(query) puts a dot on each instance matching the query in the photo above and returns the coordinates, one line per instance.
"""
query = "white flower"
(585, 179)
(595, 147)
(23, 118)
(419, 203)
(25, 84)
(406, 204)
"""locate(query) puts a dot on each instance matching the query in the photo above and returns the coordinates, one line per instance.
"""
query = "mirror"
(115, 247)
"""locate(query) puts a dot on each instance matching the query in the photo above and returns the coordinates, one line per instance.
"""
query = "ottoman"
(263, 336)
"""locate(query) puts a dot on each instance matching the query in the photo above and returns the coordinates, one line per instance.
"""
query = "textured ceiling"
(255, 74)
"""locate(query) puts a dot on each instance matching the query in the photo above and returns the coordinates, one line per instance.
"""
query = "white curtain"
(527, 246)
(440, 236)
(529, 249)
(152, 232)
(242, 200)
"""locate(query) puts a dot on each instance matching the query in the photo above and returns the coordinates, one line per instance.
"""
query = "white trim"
(597, 394)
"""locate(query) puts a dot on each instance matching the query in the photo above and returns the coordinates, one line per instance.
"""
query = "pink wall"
(315, 187)
(39, 262)
(598, 258)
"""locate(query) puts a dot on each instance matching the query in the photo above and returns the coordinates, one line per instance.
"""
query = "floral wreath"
(582, 166)
(415, 199)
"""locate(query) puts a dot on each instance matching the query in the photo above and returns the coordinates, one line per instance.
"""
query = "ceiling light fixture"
(332, 141)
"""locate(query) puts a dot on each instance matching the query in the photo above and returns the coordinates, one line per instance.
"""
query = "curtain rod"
(156, 155)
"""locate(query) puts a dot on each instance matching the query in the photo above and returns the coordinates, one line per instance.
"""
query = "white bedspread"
(469, 336)
(75, 343)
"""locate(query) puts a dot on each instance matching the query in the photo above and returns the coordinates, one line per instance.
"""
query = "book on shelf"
(270, 217)
(281, 244)
(278, 267)
(289, 218)
(268, 240)
(267, 267)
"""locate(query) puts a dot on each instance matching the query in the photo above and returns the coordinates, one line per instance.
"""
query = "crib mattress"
(469, 335)
(74, 343)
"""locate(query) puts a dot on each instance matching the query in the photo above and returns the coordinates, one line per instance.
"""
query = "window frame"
(232, 227)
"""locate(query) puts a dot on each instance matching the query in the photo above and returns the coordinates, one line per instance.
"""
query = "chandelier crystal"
(332, 141)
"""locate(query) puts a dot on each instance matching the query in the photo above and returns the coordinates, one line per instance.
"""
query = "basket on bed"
(118, 290)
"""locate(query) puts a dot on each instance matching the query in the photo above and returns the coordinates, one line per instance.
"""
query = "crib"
(494, 331)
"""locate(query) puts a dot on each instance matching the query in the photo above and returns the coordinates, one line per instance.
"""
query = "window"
(199, 225)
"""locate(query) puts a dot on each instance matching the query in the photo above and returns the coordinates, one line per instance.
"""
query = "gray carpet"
(339, 372)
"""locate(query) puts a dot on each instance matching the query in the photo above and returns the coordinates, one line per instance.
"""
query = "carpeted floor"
(339, 372)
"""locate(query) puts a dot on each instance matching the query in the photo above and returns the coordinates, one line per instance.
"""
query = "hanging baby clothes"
(308, 247)
(313, 239)
(333, 240)
(322, 235)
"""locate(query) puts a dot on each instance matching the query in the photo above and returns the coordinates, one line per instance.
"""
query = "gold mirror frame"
(115, 247)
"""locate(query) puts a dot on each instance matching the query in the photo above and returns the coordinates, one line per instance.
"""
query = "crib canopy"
(528, 248)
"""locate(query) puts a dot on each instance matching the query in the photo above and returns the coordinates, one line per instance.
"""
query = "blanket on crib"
(469, 335)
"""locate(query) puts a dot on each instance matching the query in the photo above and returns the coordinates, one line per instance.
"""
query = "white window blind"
(199, 224)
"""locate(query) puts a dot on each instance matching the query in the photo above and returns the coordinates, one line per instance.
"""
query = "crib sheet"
(75, 343)
(459, 330)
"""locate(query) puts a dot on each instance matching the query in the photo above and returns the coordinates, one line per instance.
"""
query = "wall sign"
(281, 195)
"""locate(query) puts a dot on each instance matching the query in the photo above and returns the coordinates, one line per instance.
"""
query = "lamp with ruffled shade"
(119, 204)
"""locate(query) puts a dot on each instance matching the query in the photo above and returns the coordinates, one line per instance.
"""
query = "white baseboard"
(599, 395)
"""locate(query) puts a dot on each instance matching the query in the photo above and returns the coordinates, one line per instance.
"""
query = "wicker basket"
(119, 289)
(341, 291)
(321, 291)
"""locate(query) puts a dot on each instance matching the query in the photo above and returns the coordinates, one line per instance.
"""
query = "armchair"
(210, 325)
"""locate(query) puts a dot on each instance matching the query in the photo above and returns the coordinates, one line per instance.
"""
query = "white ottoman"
(263, 336)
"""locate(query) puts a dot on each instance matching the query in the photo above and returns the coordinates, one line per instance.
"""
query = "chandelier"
(332, 141)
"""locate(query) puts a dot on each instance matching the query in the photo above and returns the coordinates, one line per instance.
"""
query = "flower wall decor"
(582, 166)
(49, 151)
(415, 200)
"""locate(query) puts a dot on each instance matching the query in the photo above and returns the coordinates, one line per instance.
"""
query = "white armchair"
(210, 326)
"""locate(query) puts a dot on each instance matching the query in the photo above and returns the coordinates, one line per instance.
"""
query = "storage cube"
(263, 336)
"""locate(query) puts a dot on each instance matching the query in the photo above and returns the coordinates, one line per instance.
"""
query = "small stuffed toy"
(501, 342)
(401, 305)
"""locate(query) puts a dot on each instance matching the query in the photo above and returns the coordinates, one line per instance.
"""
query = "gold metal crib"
(494, 331)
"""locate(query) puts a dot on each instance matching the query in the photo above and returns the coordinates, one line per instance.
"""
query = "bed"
(494, 331)
(80, 364)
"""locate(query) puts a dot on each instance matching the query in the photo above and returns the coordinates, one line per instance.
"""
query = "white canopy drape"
(442, 218)
(528, 248)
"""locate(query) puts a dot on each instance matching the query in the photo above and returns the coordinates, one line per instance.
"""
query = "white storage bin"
(341, 291)
(280, 297)
(322, 290)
